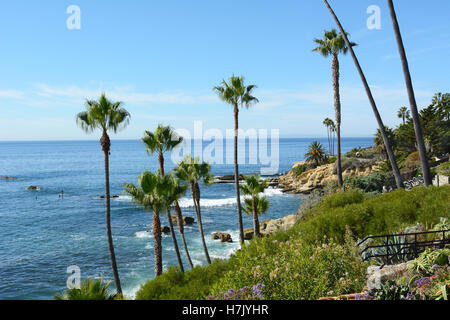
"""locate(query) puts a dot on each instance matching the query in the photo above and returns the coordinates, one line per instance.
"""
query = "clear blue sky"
(162, 58)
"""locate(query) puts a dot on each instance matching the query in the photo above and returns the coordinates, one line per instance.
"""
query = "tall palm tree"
(333, 44)
(315, 153)
(412, 99)
(153, 193)
(403, 113)
(234, 92)
(192, 171)
(162, 140)
(396, 171)
(107, 116)
(253, 187)
(328, 123)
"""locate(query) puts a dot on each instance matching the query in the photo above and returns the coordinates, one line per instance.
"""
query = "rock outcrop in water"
(8, 178)
(186, 220)
(320, 176)
(223, 237)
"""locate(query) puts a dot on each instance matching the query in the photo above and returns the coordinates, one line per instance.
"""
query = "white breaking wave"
(143, 234)
(188, 203)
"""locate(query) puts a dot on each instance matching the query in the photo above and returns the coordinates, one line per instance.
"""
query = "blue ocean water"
(42, 234)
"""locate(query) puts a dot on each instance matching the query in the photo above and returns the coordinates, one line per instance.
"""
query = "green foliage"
(261, 205)
(370, 183)
(444, 168)
(332, 159)
(291, 269)
(163, 139)
(194, 284)
(103, 114)
(412, 161)
(316, 154)
(376, 215)
(235, 92)
(90, 289)
(424, 263)
(390, 291)
(298, 170)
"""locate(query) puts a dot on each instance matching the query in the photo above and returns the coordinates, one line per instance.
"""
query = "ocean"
(42, 234)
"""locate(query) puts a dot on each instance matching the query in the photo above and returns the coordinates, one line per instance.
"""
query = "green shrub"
(194, 284)
(332, 159)
(293, 270)
(298, 170)
(375, 215)
(370, 183)
(444, 168)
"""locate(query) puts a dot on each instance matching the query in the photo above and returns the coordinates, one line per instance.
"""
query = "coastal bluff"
(320, 176)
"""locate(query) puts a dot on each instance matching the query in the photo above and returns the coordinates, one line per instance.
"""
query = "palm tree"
(234, 92)
(253, 187)
(333, 44)
(162, 140)
(315, 153)
(153, 193)
(90, 289)
(192, 171)
(178, 191)
(412, 99)
(328, 123)
(333, 135)
(396, 171)
(403, 113)
(105, 115)
(256, 205)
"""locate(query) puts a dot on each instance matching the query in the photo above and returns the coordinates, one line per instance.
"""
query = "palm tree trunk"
(412, 98)
(174, 240)
(396, 171)
(255, 219)
(106, 144)
(195, 196)
(329, 141)
(172, 232)
(181, 227)
(337, 109)
(157, 243)
(236, 174)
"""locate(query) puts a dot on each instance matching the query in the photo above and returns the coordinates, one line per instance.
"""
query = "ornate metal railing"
(403, 246)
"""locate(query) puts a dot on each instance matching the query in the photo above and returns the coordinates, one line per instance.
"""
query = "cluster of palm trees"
(332, 44)
(159, 193)
(331, 131)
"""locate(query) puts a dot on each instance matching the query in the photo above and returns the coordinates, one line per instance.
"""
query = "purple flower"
(421, 282)
(364, 296)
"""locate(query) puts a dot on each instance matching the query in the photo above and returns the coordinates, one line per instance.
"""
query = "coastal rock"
(165, 229)
(33, 188)
(8, 178)
(248, 234)
(320, 176)
(284, 223)
(223, 237)
(186, 220)
(111, 197)
(227, 178)
(377, 276)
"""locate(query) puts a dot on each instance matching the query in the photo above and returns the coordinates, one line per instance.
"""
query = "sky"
(162, 59)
